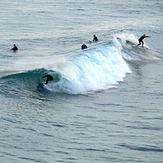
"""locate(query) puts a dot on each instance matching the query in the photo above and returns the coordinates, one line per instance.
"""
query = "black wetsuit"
(49, 77)
(95, 39)
(14, 48)
(83, 46)
(141, 40)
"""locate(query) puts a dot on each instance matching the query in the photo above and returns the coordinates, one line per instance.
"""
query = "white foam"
(99, 68)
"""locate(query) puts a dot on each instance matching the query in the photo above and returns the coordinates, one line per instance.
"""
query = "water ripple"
(142, 148)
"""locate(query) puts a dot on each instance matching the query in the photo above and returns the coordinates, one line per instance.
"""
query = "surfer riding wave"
(49, 78)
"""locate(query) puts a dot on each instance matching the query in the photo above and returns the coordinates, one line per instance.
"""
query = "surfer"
(14, 48)
(141, 40)
(83, 46)
(49, 77)
(95, 39)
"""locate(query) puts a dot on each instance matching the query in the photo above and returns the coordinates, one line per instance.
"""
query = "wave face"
(99, 67)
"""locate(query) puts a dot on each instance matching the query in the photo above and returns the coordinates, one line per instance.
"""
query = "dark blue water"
(105, 102)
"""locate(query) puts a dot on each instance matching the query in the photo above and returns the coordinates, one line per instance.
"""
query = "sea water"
(105, 102)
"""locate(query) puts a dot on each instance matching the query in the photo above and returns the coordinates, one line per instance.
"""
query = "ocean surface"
(105, 103)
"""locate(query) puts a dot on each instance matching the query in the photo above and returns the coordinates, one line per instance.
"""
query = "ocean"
(105, 103)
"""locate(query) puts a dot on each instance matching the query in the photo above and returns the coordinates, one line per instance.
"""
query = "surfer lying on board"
(141, 40)
(49, 77)
(84, 46)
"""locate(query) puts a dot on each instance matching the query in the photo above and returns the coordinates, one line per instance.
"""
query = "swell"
(97, 68)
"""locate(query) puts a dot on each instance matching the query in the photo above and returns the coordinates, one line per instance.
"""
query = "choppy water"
(105, 103)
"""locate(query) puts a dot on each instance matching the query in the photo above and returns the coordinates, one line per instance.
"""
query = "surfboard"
(144, 47)
(89, 42)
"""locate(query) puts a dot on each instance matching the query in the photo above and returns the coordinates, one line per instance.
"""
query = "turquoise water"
(105, 103)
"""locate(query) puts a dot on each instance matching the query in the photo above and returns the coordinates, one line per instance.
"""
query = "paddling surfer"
(84, 46)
